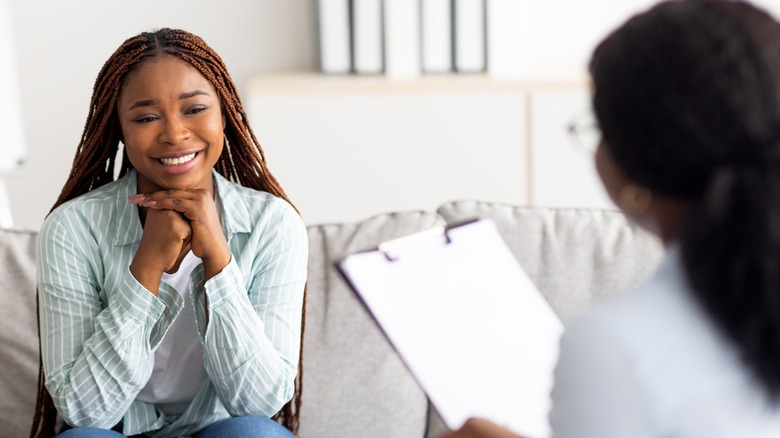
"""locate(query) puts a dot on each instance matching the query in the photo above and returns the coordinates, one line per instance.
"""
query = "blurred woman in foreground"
(687, 98)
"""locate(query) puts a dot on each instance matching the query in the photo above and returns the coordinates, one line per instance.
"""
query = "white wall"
(61, 46)
(346, 149)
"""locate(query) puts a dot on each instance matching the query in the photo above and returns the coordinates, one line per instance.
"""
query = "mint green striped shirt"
(100, 327)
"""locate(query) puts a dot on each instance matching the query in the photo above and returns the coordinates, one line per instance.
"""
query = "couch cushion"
(19, 334)
(574, 256)
(354, 384)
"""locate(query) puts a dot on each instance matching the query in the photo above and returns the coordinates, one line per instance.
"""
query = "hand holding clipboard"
(467, 322)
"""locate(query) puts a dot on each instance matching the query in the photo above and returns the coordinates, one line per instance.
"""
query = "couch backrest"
(575, 257)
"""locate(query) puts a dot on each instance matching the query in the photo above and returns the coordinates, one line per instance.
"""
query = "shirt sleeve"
(598, 391)
(96, 355)
(252, 338)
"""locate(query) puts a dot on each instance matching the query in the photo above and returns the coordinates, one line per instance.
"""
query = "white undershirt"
(178, 370)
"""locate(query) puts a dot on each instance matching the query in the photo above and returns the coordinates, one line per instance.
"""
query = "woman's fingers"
(198, 207)
(193, 204)
(144, 198)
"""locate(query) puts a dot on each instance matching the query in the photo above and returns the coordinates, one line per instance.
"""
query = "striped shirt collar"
(127, 214)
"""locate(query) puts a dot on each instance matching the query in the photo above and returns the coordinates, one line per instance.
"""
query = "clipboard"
(467, 322)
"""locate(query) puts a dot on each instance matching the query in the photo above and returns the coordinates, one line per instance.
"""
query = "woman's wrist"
(214, 265)
(148, 277)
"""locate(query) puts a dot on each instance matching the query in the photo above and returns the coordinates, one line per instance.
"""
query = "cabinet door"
(347, 155)
(563, 173)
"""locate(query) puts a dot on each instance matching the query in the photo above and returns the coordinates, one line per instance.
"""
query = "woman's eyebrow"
(193, 93)
(143, 103)
(183, 96)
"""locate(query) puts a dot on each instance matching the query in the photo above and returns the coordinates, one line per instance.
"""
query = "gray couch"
(354, 384)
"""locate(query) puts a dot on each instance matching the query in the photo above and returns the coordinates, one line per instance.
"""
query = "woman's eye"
(196, 110)
(145, 119)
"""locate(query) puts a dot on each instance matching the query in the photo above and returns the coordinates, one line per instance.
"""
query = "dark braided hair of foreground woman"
(99, 158)
(706, 130)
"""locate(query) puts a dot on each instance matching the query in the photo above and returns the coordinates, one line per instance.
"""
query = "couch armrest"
(18, 331)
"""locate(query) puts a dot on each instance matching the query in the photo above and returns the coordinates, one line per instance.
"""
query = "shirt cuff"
(208, 295)
(157, 312)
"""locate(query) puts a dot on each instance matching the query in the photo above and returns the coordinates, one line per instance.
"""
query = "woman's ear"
(635, 200)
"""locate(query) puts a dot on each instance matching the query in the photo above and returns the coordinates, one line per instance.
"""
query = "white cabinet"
(346, 148)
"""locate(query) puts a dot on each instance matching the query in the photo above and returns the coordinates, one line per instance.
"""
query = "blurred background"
(345, 145)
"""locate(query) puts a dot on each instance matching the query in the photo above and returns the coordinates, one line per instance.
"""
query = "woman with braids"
(170, 298)
(687, 97)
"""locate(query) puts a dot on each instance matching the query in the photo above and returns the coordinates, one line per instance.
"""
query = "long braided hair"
(98, 161)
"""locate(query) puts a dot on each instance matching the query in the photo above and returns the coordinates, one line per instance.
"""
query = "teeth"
(175, 161)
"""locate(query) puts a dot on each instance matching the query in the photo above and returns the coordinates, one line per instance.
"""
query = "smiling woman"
(171, 299)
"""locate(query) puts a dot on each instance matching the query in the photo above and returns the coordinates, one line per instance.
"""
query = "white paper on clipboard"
(467, 322)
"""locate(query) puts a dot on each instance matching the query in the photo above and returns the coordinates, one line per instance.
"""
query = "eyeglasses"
(585, 133)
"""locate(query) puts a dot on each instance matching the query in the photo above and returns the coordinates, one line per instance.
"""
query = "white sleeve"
(598, 391)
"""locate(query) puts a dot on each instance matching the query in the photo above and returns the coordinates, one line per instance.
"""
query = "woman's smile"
(172, 161)
(180, 163)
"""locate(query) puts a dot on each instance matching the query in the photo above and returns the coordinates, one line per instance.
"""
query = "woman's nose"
(174, 131)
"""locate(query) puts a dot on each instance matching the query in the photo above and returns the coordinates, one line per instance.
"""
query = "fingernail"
(149, 204)
(136, 198)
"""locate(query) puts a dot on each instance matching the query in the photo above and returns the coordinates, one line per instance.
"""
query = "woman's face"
(172, 125)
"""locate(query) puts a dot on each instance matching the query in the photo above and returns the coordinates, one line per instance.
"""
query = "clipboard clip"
(394, 249)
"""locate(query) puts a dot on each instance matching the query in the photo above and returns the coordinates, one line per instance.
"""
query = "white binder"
(467, 322)
(368, 35)
(436, 36)
(470, 47)
(334, 36)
